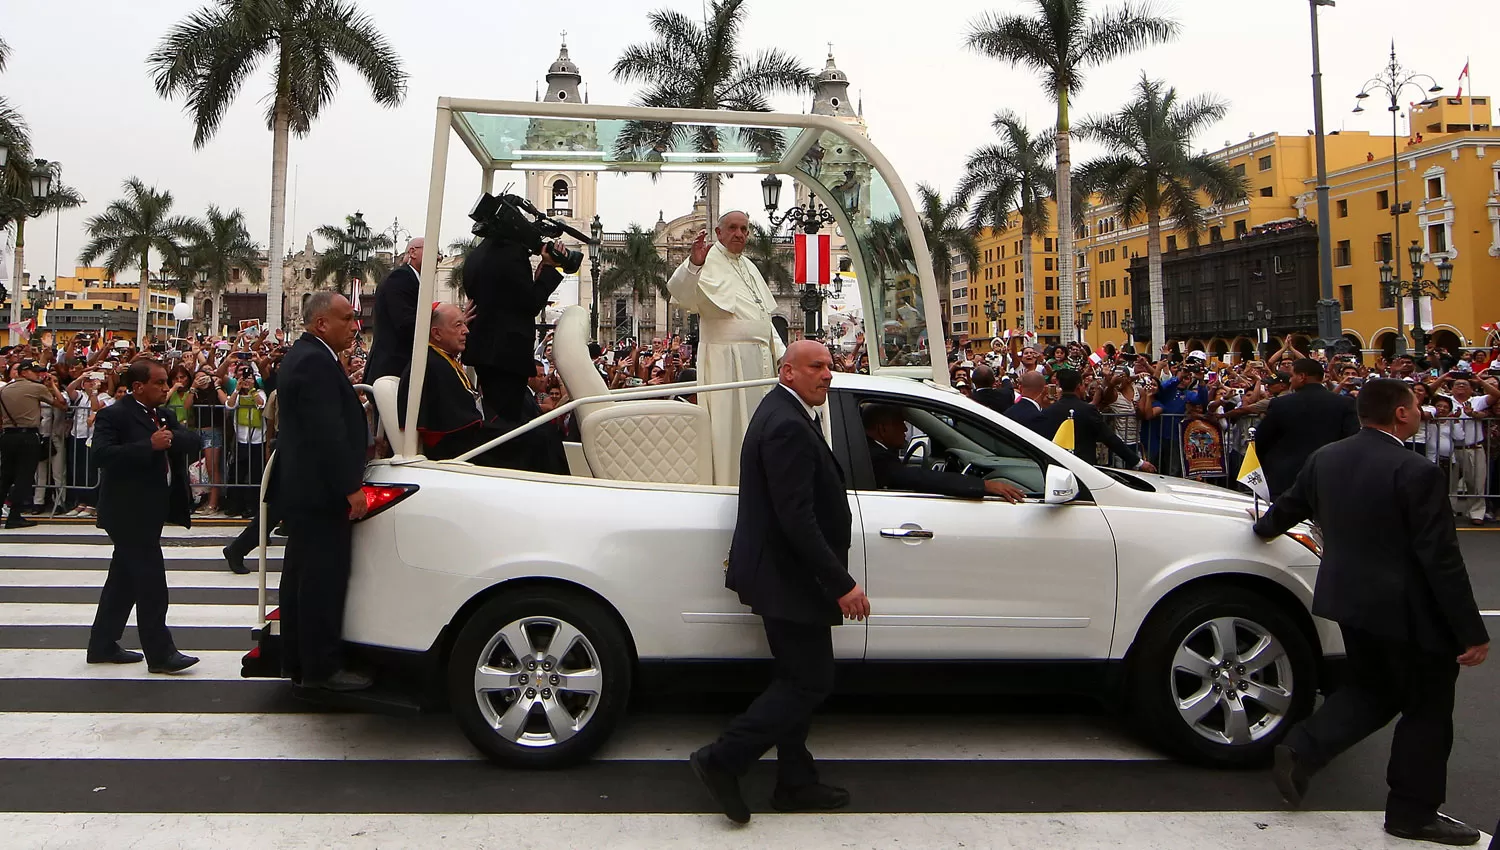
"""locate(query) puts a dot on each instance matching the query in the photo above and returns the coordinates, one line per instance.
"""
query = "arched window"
(561, 204)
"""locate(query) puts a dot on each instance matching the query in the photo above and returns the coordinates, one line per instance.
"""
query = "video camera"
(503, 218)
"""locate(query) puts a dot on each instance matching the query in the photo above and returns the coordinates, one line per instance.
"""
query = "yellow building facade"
(91, 301)
(1452, 180)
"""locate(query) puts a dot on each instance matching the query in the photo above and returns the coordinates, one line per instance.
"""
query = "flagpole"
(1469, 75)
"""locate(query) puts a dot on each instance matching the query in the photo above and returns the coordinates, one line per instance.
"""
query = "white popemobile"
(532, 605)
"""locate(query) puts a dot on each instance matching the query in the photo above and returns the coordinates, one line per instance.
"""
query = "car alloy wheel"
(538, 681)
(1232, 681)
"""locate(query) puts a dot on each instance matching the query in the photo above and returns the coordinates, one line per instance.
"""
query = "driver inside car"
(885, 428)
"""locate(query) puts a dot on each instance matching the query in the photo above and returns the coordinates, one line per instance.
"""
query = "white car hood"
(1201, 495)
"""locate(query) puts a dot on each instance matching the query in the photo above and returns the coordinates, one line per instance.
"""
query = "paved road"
(113, 757)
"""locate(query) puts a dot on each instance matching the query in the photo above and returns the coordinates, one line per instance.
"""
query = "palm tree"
(635, 267)
(217, 245)
(206, 57)
(1014, 176)
(699, 66)
(1151, 172)
(128, 231)
(460, 248)
(343, 267)
(770, 257)
(1060, 41)
(17, 203)
(946, 234)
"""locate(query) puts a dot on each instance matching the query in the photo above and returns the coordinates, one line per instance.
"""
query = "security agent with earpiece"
(506, 296)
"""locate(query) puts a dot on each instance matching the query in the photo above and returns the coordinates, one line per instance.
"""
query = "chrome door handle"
(906, 532)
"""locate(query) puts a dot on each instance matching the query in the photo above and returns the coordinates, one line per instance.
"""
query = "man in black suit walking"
(1028, 408)
(1299, 423)
(998, 399)
(396, 316)
(1394, 580)
(318, 485)
(789, 562)
(142, 451)
(1089, 427)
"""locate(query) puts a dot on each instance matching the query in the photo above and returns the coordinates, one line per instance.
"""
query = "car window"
(950, 440)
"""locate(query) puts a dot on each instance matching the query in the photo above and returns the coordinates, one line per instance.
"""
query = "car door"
(952, 578)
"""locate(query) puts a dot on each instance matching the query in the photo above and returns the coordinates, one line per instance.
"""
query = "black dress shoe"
(174, 663)
(114, 656)
(816, 797)
(722, 785)
(18, 521)
(1291, 779)
(343, 680)
(1444, 830)
(236, 562)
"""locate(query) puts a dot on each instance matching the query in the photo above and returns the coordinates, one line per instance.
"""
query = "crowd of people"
(1194, 415)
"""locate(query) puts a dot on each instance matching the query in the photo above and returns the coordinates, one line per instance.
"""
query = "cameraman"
(505, 297)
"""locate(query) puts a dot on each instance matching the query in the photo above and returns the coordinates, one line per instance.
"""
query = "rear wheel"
(539, 678)
(1219, 675)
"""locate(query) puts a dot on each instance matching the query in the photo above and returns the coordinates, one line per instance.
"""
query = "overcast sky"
(78, 74)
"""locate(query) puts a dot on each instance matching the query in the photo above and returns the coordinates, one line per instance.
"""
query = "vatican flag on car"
(1251, 474)
(1064, 435)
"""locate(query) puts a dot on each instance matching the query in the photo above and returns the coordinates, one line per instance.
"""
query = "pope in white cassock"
(736, 341)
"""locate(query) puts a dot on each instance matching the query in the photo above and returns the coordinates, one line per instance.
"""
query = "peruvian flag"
(354, 287)
(1098, 356)
(1462, 76)
(814, 254)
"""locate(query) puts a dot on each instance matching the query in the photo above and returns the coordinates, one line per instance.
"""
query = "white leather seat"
(386, 391)
(656, 440)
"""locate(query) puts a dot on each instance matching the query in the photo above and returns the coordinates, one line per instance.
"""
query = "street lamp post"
(356, 244)
(1329, 320)
(1260, 318)
(811, 219)
(994, 309)
(1082, 321)
(1392, 81)
(596, 247)
(39, 296)
(1416, 289)
(41, 187)
(1127, 325)
(396, 231)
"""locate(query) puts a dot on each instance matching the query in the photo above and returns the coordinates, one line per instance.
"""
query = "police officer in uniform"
(21, 403)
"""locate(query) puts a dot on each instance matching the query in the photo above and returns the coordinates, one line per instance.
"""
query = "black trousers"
(137, 579)
(506, 394)
(249, 539)
(509, 398)
(20, 452)
(802, 677)
(314, 580)
(1387, 678)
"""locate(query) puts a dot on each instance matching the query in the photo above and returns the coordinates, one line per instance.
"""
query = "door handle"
(906, 532)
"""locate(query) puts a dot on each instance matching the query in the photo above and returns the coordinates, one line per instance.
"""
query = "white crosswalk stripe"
(113, 756)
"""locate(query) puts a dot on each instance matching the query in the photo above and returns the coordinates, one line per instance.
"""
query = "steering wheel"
(963, 467)
(911, 451)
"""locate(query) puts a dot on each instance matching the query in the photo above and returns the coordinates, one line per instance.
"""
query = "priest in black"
(452, 418)
(1394, 580)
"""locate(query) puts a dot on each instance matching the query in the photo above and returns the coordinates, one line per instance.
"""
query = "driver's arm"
(892, 474)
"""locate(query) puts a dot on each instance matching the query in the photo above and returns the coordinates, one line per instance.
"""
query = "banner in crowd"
(1203, 449)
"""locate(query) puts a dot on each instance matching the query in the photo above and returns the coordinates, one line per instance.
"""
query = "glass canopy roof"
(599, 144)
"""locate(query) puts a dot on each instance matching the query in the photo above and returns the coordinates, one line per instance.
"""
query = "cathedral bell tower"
(560, 192)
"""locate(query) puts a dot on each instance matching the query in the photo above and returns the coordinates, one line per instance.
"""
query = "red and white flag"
(814, 255)
(1098, 356)
(1462, 77)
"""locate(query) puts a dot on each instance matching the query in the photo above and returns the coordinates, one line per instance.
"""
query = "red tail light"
(381, 496)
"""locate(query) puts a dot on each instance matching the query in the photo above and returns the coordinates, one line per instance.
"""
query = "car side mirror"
(1062, 486)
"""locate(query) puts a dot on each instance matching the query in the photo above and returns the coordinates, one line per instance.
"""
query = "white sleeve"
(683, 284)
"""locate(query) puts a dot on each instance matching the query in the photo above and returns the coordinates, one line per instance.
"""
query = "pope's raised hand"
(699, 253)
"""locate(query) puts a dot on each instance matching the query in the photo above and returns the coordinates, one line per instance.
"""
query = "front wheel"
(539, 679)
(1219, 675)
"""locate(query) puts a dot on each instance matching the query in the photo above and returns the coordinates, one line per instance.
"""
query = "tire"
(1176, 704)
(533, 718)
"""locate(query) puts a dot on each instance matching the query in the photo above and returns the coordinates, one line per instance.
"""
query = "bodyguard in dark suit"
(998, 399)
(1089, 427)
(142, 451)
(885, 431)
(1028, 408)
(789, 562)
(1394, 580)
(507, 297)
(395, 317)
(317, 483)
(1299, 423)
